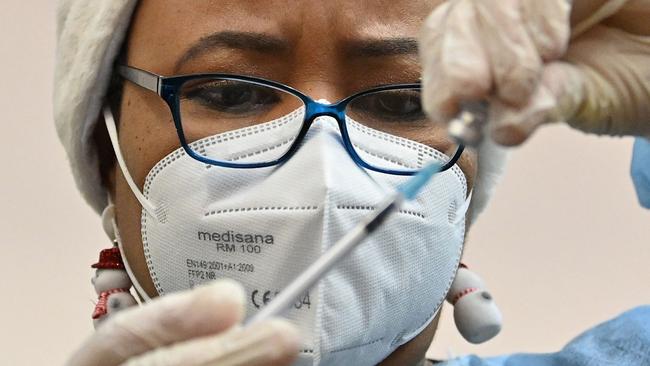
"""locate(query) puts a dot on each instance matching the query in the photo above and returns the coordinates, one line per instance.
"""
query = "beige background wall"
(563, 246)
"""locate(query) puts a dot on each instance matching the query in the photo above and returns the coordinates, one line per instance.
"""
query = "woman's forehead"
(165, 29)
(287, 13)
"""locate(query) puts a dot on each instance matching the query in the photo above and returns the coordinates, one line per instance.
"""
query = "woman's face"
(326, 49)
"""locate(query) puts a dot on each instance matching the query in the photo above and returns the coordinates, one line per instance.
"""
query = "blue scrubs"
(641, 170)
(623, 341)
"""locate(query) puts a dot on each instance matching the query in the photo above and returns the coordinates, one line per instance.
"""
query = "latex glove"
(196, 327)
(520, 55)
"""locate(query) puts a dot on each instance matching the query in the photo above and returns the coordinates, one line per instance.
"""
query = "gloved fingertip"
(509, 135)
(271, 342)
(215, 306)
(517, 96)
(228, 288)
(440, 107)
(511, 126)
(440, 115)
(287, 338)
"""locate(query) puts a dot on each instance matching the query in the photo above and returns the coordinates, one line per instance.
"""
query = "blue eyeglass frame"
(167, 88)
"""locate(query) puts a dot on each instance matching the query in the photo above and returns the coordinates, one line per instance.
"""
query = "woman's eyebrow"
(266, 43)
(251, 41)
(382, 47)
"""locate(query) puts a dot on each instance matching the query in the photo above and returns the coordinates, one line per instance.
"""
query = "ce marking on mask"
(261, 298)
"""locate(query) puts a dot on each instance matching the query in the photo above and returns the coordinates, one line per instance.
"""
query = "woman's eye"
(395, 105)
(233, 97)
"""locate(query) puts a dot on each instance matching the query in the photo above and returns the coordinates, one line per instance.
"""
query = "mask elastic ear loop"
(112, 134)
(136, 285)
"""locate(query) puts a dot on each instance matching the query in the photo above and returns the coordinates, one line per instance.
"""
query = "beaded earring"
(111, 281)
(476, 315)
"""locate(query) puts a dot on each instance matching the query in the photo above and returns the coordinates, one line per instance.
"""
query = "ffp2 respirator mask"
(264, 226)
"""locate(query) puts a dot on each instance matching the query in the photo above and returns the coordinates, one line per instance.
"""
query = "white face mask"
(262, 227)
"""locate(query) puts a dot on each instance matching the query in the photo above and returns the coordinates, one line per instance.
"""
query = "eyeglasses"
(208, 105)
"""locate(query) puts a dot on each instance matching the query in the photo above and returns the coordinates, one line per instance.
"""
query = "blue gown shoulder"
(622, 341)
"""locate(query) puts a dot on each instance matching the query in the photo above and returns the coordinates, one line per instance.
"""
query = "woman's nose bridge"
(323, 109)
(320, 88)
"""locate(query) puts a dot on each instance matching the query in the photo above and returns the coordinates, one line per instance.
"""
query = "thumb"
(558, 97)
(274, 342)
(173, 318)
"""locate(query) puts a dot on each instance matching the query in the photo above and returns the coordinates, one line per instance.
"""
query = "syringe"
(407, 191)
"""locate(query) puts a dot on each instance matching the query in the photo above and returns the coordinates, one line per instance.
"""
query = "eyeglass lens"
(214, 111)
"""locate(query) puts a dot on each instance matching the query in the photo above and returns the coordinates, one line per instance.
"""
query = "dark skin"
(327, 50)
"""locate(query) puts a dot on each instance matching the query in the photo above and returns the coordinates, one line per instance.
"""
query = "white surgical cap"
(89, 37)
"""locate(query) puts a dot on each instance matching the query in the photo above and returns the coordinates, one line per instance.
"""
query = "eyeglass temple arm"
(454, 158)
(142, 78)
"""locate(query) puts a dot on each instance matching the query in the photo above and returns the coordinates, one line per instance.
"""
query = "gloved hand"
(535, 67)
(196, 327)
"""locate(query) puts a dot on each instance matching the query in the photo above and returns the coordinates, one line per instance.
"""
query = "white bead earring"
(476, 315)
(111, 281)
